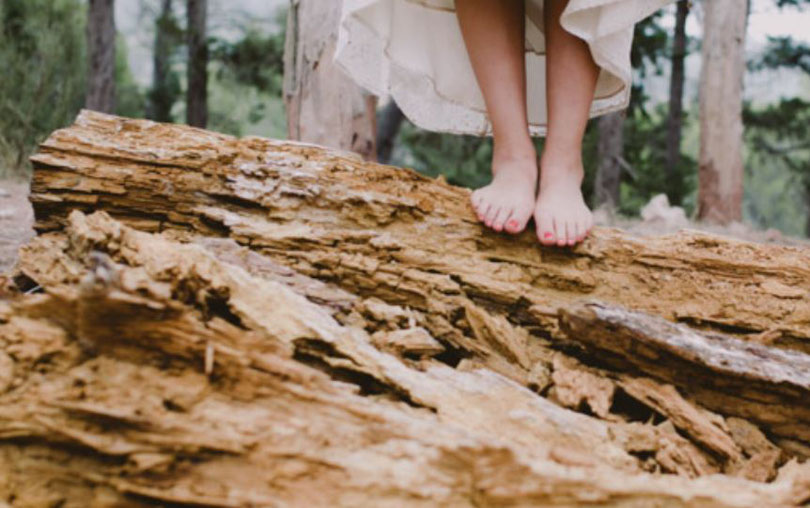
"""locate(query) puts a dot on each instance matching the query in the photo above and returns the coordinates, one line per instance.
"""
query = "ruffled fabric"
(413, 51)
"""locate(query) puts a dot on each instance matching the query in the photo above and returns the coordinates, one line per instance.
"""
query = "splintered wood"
(227, 322)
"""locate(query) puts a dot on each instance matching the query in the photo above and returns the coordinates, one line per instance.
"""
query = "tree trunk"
(308, 329)
(807, 207)
(161, 96)
(675, 120)
(610, 151)
(721, 93)
(390, 121)
(101, 56)
(197, 93)
(324, 106)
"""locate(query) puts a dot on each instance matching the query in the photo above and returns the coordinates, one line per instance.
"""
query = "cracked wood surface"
(391, 233)
(109, 398)
(313, 329)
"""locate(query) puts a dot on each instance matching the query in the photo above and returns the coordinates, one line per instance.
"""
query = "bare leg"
(561, 215)
(494, 33)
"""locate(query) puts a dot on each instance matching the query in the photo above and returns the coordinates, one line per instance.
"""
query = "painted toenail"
(548, 235)
(513, 223)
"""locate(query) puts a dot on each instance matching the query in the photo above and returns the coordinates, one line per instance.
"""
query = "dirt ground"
(17, 216)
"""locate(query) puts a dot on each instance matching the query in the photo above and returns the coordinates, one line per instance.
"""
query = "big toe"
(518, 220)
(500, 218)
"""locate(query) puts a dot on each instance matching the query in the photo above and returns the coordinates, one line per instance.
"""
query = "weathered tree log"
(390, 233)
(172, 373)
(369, 343)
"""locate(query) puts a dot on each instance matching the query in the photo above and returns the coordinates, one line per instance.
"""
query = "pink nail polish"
(548, 235)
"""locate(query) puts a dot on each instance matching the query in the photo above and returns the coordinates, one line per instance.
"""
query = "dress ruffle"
(413, 51)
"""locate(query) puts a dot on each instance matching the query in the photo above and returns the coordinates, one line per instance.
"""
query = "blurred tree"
(675, 188)
(721, 92)
(196, 36)
(610, 157)
(324, 106)
(165, 82)
(101, 56)
(42, 44)
(389, 122)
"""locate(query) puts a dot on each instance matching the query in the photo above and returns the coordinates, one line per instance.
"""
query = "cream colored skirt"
(413, 51)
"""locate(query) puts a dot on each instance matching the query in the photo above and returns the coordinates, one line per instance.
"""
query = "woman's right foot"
(507, 203)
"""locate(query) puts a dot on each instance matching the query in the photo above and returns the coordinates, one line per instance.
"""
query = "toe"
(491, 214)
(515, 224)
(545, 228)
(584, 229)
(588, 225)
(518, 220)
(500, 219)
(482, 210)
(559, 232)
(579, 231)
(571, 232)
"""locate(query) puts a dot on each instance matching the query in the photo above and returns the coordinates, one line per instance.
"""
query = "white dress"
(413, 51)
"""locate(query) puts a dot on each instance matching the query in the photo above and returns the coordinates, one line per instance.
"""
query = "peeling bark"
(261, 322)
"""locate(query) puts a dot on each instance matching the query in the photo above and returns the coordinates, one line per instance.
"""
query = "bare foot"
(561, 215)
(506, 204)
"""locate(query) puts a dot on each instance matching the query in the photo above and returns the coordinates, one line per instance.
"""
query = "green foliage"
(645, 151)
(42, 54)
(645, 130)
(778, 138)
(256, 60)
(130, 100)
(784, 52)
(463, 160)
(245, 86)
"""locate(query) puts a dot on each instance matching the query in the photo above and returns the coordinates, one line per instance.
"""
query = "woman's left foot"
(560, 214)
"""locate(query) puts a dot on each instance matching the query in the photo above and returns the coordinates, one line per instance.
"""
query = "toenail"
(513, 223)
(548, 235)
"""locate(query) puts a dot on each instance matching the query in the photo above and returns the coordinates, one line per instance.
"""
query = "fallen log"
(289, 323)
(156, 371)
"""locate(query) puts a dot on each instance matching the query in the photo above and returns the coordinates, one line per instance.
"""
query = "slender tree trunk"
(324, 106)
(721, 94)
(807, 205)
(101, 56)
(675, 124)
(390, 121)
(161, 98)
(610, 150)
(197, 94)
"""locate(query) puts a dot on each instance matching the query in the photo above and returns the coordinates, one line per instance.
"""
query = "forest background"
(654, 149)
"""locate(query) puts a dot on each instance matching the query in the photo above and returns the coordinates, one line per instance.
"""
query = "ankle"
(514, 151)
(568, 169)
